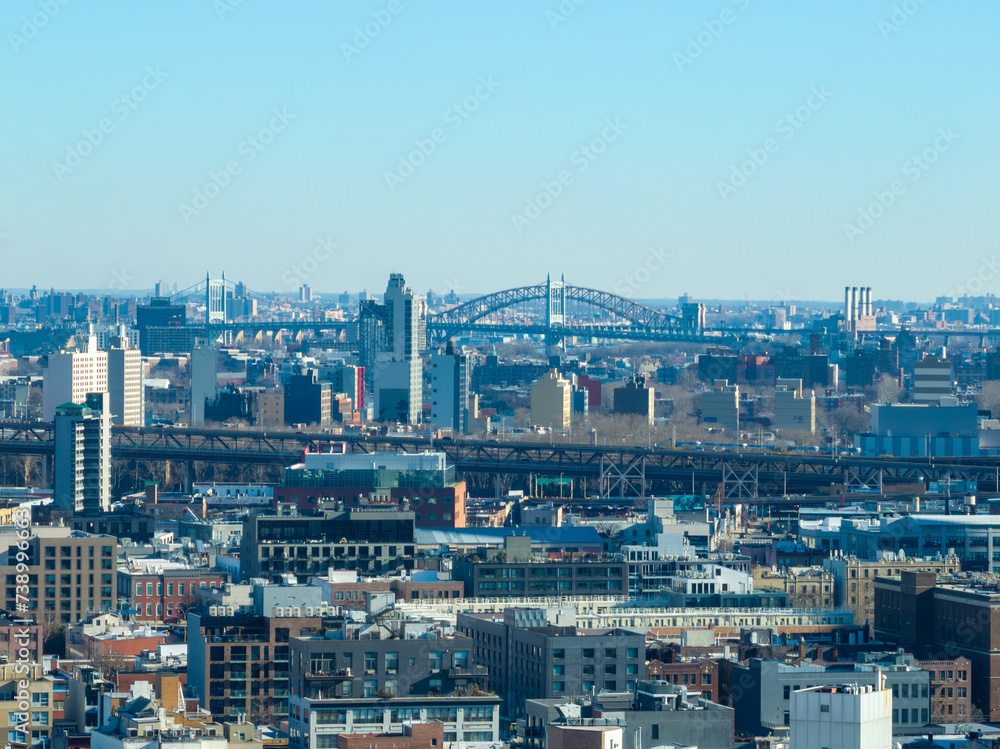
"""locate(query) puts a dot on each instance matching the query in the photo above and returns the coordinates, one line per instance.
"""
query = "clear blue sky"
(114, 216)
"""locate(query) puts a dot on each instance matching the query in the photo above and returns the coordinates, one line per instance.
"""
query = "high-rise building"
(70, 375)
(160, 314)
(450, 373)
(82, 465)
(551, 401)
(932, 378)
(204, 379)
(397, 380)
(125, 384)
(307, 400)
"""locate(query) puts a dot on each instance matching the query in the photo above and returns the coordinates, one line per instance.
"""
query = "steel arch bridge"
(551, 307)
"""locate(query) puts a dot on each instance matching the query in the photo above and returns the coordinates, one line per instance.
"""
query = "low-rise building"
(854, 579)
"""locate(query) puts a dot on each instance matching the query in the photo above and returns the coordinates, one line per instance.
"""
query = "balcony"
(238, 694)
(467, 672)
(339, 674)
(238, 675)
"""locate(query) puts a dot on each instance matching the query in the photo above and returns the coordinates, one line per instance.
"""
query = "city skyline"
(576, 136)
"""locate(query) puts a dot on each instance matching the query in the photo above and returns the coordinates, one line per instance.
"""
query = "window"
(461, 658)
(149, 589)
(558, 670)
(558, 686)
(610, 653)
(656, 731)
(632, 653)
(170, 589)
(435, 658)
(559, 654)
(138, 589)
(39, 699)
(391, 687)
(824, 708)
(159, 589)
(392, 662)
(371, 662)
(180, 589)
(371, 686)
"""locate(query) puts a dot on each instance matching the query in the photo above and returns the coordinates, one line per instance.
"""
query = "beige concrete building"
(551, 401)
(71, 573)
(720, 407)
(794, 407)
(807, 587)
(271, 409)
(32, 726)
(854, 579)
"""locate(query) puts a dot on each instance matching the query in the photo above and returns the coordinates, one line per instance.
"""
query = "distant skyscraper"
(204, 368)
(82, 464)
(450, 373)
(390, 338)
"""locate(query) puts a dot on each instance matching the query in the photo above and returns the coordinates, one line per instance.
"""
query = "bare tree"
(887, 389)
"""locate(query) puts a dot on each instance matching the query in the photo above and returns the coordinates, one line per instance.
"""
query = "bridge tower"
(215, 299)
(555, 309)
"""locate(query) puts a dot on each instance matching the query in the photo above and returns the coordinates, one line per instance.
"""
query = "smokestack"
(868, 298)
(848, 307)
(856, 295)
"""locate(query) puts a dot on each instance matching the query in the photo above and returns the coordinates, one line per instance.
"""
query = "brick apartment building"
(944, 622)
(163, 594)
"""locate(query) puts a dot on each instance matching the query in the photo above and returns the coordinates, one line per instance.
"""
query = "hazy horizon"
(733, 149)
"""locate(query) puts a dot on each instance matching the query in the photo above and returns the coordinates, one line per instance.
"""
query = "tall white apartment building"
(70, 375)
(126, 384)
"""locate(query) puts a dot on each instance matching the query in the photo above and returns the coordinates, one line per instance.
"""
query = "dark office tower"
(450, 373)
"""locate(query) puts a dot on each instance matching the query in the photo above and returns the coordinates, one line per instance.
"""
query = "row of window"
(338, 716)
(181, 589)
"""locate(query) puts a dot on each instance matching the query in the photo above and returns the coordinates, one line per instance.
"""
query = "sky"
(727, 148)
